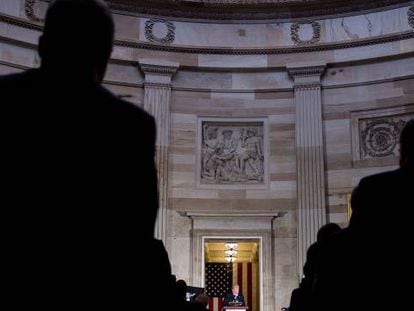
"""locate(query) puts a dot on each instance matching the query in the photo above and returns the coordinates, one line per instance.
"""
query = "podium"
(235, 308)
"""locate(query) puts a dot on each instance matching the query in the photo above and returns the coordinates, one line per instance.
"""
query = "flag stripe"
(235, 273)
(240, 276)
(255, 284)
(250, 288)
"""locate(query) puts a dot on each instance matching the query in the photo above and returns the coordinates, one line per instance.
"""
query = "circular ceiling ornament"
(169, 31)
(296, 37)
(380, 137)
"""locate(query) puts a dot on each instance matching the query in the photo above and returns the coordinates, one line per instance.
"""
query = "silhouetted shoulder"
(15, 77)
(398, 173)
(12, 81)
(126, 106)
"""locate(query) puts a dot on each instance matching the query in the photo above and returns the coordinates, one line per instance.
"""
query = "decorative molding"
(270, 51)
(29, 11)
(149, 31)
(19, 43)
(215, 213)
(410, 14)
(12, 20)
(267, 10)
(376, 133)
(379, 136)
(295, 37)
(230, 51)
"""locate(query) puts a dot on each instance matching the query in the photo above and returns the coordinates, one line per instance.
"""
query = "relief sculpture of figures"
(232, 154)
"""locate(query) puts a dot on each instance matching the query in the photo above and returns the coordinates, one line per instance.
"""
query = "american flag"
(221, 276)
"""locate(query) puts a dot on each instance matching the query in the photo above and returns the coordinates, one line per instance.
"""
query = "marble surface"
(358, 79)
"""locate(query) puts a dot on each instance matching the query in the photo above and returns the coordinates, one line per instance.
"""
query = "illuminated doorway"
(228, 262)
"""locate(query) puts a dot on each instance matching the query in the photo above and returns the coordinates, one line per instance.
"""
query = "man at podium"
(234, 298)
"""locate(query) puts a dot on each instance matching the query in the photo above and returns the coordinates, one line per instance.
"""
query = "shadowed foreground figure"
(302, 297)
(79, 177)
(365, 267)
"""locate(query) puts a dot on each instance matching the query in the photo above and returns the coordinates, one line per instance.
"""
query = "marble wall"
(364, 81)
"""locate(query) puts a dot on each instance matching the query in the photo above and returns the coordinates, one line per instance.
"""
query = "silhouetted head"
(77, 38)
(407, 145)
(326, 231)
(202, 299)
(181, 288)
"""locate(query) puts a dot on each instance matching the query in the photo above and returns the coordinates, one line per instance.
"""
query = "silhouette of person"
(79, 175)
(302, 297)
(202, 300)
(363, 265)
(234, 297)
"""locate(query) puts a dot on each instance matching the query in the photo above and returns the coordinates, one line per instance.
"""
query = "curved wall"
(223, 72)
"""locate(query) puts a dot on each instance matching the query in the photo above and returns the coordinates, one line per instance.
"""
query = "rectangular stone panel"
(232, 152)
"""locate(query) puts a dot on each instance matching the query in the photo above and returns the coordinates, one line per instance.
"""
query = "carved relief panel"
(232, 152)
(376, 133)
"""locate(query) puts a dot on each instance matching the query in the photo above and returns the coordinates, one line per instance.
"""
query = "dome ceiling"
(249, 9)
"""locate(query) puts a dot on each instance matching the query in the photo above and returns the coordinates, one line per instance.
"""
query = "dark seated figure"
(234, 298)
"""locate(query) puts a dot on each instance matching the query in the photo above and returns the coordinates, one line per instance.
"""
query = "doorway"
(230, 261)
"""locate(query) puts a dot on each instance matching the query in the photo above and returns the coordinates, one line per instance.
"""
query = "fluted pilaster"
(158, 77)
(309, 156)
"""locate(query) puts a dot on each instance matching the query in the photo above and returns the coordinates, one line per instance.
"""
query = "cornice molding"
(219, 10)
(12, 20)
(231, 51)
(265, 214)
(18, 42)
(269, 51)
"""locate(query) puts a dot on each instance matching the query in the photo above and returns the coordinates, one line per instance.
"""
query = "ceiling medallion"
(295, 37)
(149, 31)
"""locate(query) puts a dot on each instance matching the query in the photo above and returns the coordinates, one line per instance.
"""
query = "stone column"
(158, 76)
(309, 155)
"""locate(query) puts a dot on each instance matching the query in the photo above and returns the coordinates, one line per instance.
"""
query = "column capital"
(158, 72)
(306, 69)
(306, 74)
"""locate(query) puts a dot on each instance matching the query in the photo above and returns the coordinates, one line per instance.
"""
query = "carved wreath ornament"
(380, 138)
(294, 33)
(149, 31)
(29, 10)
(410, 14)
